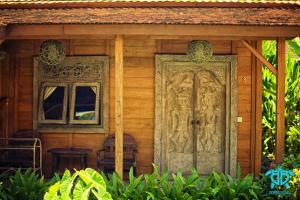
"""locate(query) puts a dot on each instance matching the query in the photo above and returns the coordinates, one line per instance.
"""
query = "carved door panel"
(179, 114)
(195, 114)
(209, 112)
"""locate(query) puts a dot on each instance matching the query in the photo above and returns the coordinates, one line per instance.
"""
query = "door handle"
(195, 122)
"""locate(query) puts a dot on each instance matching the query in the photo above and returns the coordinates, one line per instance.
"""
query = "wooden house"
(184, 78)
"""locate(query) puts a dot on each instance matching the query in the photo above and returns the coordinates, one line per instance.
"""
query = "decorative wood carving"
(52, 52)
(74, 68)
(77, 71)
(199, 51)
(195, 114)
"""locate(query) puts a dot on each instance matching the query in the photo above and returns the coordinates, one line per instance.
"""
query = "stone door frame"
(231, 107)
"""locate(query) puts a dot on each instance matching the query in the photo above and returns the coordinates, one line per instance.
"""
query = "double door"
(192, 116)
(195, 111)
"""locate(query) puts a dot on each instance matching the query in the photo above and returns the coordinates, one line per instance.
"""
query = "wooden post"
(280, 103)
(258, 113)
(119, 104)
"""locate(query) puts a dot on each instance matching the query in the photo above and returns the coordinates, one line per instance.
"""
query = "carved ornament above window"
(77, 71)
(52, 52)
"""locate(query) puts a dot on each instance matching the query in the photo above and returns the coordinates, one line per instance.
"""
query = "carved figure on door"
(179, 103)
(208, 111)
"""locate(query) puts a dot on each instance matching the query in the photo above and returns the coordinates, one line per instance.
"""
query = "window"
(72, 97)
(84, 107)
(53, 99)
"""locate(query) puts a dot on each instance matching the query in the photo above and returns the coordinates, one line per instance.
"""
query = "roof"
(72, 1)
(197, 12)
(101, 3)
(201, 16)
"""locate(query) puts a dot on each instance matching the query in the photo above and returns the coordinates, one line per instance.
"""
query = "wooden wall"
(138, 94)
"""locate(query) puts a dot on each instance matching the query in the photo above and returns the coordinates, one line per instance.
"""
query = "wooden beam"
(188, 30)
(257, 115)
(167, 31)
(119, 104)
(196, 37)
(261, 58)
(138, 37)
(280, 101)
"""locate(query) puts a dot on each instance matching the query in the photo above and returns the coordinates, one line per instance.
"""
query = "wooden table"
(58, 153)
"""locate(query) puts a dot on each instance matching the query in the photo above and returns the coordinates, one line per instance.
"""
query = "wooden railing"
(4, 117)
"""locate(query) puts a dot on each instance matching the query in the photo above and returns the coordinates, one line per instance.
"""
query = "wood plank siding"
(139, 67)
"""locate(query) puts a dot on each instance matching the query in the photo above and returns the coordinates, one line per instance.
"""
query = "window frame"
(97, 102)
(65, 100)
(97, 72)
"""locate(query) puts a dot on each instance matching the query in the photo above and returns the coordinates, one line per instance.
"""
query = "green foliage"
(265, 183)
(27, 185)
(292, 162)
(292, 98)
(3, 189)
(3, 193)
(85, 184)
(292, 113)
(88, 184)
(295, 184)
(178, 187)
(295, 45)
(293, 140)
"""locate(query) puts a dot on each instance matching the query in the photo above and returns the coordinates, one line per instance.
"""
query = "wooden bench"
(106, 156)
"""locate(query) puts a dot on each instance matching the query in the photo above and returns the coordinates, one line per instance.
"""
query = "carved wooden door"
(193, 114)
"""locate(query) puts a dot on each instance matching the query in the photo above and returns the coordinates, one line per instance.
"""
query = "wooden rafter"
(119, 104)
(280, 102)
(261, 58)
